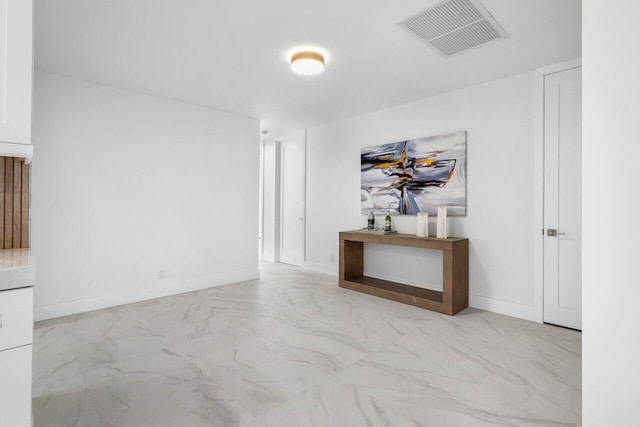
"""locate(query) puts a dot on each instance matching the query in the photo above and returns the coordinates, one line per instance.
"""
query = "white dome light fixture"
(307, 62)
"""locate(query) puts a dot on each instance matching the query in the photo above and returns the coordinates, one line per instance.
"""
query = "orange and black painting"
(415, 175)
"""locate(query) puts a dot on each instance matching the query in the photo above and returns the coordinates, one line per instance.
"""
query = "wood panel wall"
(14, 203)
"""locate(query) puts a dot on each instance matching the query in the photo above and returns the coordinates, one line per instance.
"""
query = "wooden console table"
(455, 268)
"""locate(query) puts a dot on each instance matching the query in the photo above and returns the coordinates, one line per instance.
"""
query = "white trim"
(304, 201)
(268, 256)
(271, 253)
(538, 194)
(261, 204)
(508, 308)
(493, 305)
(477, 301)
(331, 270)
(276, 201)
(538, 116)
(167, 288)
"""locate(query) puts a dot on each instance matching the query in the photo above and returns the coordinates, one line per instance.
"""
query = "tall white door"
(292, 200)
(563, 198)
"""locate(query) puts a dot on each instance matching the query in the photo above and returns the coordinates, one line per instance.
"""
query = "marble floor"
(294, 349)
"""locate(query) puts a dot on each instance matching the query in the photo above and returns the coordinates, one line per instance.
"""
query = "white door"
(563, 198)
(292, 200)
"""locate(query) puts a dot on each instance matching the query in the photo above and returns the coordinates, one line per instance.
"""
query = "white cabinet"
(16, 335)
(16, 318)
(15, 387)
(16, 72)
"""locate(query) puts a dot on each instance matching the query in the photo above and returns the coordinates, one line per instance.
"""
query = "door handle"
(300, 219)
(552, 232)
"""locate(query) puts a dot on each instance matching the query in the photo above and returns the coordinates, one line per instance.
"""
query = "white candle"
(420, 225)
(442, 222)
(426, 224)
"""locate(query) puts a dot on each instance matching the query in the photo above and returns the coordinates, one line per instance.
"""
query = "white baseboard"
(329, 269)
(170, 287)
(268, 256)
(502, 307)
(484, 303)
(83, 305)
(476, 301)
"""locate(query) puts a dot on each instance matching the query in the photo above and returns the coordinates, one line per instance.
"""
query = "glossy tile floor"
(294, 349)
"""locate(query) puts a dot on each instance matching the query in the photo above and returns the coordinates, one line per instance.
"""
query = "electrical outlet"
(332, 258)
(161, 274)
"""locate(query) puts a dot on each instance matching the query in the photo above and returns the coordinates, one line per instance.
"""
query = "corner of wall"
(508, 308)
(331, 270)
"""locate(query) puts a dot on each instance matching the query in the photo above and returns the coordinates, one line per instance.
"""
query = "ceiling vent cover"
(455, 26)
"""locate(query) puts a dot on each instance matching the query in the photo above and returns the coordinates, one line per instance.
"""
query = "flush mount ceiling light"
(307, 62)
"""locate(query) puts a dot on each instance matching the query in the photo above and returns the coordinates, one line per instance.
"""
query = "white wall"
(611, 204)
(498, 118)
(126, 185)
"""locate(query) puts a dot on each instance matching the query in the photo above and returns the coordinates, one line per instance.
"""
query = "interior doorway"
(283, 199)
(292, 199)
(562, 200)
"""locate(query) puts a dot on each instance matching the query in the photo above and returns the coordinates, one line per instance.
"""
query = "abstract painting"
(416, 175)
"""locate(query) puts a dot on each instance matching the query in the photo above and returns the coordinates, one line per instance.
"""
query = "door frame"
(538, 229)
(280, 197)
(271, 253)
(261, 203)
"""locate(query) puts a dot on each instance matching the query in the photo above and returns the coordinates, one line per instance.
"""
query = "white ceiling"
(231, 54)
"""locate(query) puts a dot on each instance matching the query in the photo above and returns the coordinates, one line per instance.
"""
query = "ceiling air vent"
(455, 26)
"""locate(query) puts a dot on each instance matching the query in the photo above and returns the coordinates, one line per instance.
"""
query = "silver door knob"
(552, 232)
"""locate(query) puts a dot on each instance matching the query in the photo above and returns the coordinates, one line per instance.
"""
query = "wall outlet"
(161, 274)
(332, 258)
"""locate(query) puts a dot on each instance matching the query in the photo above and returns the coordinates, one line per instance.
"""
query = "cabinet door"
(15, 387)
(16, 70)
(16, 317)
